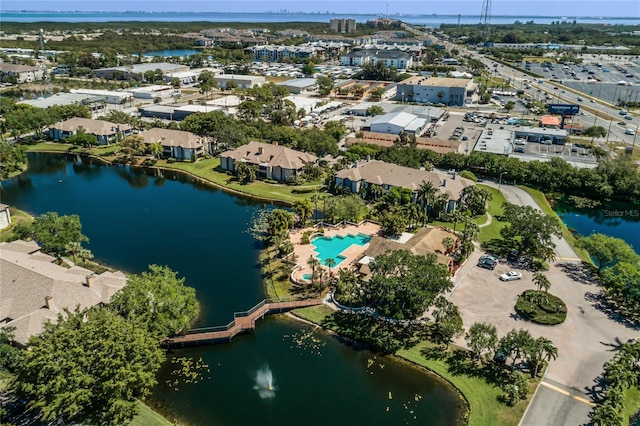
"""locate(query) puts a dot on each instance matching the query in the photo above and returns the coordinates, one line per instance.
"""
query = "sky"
(570, 8)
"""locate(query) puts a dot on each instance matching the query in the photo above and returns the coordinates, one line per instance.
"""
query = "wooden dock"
(243, 322)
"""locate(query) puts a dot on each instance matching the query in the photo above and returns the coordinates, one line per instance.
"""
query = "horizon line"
(318, 13)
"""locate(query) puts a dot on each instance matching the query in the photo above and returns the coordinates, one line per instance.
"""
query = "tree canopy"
(404, 285)
(52, 232)
(89, 367)
(606, 251)
(530, 231)
(158, 301)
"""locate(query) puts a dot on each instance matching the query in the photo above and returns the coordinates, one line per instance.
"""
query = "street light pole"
(500, 181)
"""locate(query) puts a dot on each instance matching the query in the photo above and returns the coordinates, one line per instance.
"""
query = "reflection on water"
(200, 232)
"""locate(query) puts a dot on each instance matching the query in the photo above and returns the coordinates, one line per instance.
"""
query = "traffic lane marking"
(567, 393)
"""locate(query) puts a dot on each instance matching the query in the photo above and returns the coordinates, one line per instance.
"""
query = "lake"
(135, 217)
(173, 52)
(616, 220)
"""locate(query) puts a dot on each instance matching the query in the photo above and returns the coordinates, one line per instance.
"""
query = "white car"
(511, 276)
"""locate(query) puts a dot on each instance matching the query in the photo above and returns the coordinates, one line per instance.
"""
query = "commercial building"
(449, 91)
(154, 91)
(243, 81)
(501, 138)
(338, 25)
(20, 73)
(177, 113)
(299, 85)
(137, 71)
(110, 96)
(96, 104)
(396, 122)
(187, 78)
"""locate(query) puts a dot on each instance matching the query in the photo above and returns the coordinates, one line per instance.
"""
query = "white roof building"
(110, 96)
(396, 122)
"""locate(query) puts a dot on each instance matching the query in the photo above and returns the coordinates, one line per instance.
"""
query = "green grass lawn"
(541, 200)
(17, 216)
(484, 405)
(51, 146)
(267, 191)
(491, 231)
(205, 169)
(147, 417)
(631, 404)
(482, 396)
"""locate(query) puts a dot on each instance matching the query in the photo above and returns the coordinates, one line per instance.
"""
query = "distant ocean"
(429, 20)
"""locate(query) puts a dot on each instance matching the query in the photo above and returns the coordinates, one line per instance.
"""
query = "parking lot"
(608, 80)
(567, 152)
(584, 340)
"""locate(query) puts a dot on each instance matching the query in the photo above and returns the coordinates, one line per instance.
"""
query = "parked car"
(511, 276)
(513, 255)
(488, 262)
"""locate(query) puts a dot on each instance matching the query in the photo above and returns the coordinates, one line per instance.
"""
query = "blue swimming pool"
(327, 247)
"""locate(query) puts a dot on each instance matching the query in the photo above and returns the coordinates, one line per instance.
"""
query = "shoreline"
(465, 402)
(190, 174)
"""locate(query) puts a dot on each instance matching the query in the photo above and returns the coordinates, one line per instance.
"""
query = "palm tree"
(426, 194)
(541, 282)
(542, 349)
(606, 414)
(156, 149)
(330, 262)
(313, 262)
(413, 212)
(471, 230)
(85, 254)
(73, 248)
(455, 217)
(448, 244)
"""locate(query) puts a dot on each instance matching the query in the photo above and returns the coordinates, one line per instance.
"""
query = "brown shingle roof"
(423, 242)
(94, 127)
(28, 278)
(379, 172)
(273, 155)
(168, 137)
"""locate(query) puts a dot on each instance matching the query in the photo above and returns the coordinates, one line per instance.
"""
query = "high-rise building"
(342, 25)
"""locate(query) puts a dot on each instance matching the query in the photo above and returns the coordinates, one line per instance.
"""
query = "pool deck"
(352, 253)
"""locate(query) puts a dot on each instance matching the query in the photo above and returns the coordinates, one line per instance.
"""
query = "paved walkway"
(242, 323)
(587, 339)
(515, 195)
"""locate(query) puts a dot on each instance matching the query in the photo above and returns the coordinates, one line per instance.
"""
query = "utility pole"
(485, 15)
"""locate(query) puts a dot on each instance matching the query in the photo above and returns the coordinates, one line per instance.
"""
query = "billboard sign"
(564, 109)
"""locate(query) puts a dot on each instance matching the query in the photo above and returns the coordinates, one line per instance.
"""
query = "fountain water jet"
(264, 383)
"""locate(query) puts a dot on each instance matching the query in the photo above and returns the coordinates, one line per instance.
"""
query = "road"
(515, 195)
(587, 339)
